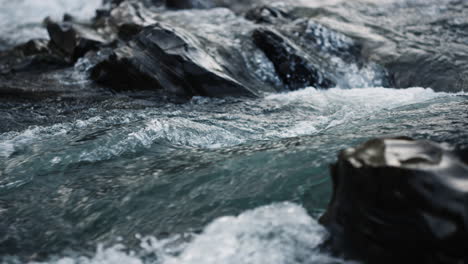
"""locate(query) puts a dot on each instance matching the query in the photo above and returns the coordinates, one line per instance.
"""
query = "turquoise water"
(173, 172)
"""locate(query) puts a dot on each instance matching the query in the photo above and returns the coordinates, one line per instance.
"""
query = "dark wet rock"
(290, 62)
(72, 39)
(121, 71)
(171, 59)
(32, 47)
(463, 154)
(35, 55)
(336, 55)
(302, 51)
(428, 52)
(399, 201)
(196, 52)
(279, 47)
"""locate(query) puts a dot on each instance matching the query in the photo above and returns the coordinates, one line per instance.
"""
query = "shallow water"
(132, 180)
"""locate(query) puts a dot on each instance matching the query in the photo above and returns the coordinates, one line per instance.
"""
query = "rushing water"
(130, 180)
(21, 20)
(169, 170)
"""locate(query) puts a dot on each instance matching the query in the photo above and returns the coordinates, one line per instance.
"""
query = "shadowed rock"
(165, 57)
(399, 201)
(34, 55)
(73, 39)
(290, 62)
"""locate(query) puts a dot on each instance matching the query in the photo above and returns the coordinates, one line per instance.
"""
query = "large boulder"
(188, 53)
(162, 57)
(399, 200)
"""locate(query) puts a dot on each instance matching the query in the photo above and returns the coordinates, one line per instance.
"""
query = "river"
(131, 180)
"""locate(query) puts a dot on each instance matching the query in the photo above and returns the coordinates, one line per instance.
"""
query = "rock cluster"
(147, 45)
(242, 48)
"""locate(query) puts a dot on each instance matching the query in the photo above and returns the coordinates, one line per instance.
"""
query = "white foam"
(279, 233)
(303, 112)
(275, 234)
(336, 106)
(372, 98)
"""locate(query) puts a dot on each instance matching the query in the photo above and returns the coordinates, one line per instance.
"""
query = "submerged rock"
(399, 201)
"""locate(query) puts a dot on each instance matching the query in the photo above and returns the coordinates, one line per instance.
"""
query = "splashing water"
(274, 234)
(21, 20)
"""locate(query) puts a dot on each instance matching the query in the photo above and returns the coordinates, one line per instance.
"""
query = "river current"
(131, 180)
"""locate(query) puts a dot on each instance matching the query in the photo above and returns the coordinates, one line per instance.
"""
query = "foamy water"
(274, 234)
(21, 20)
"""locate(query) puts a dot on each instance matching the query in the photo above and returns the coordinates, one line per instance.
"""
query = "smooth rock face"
(399, 201)
(165, 57)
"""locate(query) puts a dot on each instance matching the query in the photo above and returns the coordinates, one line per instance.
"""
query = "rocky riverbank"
(242, 49)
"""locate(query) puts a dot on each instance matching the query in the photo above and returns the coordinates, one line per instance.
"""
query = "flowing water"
(131, 180)
(21, 20)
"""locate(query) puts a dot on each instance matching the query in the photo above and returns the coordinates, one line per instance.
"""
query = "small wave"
(372, 97)
(333, 107)
(205, 123)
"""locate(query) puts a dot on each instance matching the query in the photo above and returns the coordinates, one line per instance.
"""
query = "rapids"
(172, 169)
(132, 180)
